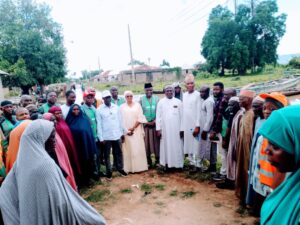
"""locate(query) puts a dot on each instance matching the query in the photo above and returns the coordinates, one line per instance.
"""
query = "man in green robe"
(149, 104)
(7, 124)
(51, 101)
(115, 98)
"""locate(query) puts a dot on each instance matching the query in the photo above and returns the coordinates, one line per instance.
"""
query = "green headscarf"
(282, 206)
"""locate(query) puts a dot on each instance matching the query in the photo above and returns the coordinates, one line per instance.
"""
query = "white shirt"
(65, 110)
(109, 124)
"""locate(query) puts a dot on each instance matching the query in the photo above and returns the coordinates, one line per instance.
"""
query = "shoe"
(227, 184)
(109, 176)
(219, 177)
(123, 173)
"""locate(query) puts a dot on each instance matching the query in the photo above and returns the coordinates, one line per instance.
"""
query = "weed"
(146, 187)
(188, 194)
(160, 187)
(161, 204)
(173, 193)
(217, 204)
(126, 190)
(99, 195)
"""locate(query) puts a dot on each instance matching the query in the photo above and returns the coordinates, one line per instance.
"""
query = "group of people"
(259, 148)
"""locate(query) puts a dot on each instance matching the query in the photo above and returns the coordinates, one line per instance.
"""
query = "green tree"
(31, 44)
(248, 40)
(136, 62)
(218, 39)
(86, 74)
(295, 63)
(164, 63)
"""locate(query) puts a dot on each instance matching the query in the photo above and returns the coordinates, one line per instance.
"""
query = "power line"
(197, 20)
(197, 13)
(186, 10)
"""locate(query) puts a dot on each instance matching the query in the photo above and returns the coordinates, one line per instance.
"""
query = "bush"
(295, 63)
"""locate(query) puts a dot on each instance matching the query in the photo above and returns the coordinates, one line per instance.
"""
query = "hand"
(196, 131)
(204, 135)
(212, 135)
(181, 134)
(158, 134)
(130, 133)
(224, 144)
(131, 129)
(151, 123)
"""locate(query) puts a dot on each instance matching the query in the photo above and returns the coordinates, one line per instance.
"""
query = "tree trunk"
(25, 90)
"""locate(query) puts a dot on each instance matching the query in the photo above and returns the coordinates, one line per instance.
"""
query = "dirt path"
(152, 199)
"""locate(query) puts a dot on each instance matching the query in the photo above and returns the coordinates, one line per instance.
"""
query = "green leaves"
(31, 44)
(243, 41)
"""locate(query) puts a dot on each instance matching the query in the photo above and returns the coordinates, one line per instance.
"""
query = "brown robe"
(243, 153)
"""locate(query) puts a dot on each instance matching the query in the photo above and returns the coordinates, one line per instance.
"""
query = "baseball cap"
(105, 94)
(276, 96)
(88, 92)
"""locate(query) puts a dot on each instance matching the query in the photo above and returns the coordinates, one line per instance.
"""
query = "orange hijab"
(14, 142)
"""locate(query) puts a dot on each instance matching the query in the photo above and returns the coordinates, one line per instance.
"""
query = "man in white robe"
(206, 119)
(168, 122)
(190, 127)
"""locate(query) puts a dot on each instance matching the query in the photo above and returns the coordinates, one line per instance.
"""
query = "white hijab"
(35, 191)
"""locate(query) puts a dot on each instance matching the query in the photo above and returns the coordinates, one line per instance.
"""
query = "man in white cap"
(190, 127)
(110, 132)
(168, 122)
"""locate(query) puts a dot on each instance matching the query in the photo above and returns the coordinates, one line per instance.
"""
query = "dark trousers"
(213, 156)
(151, 144)
(100, 148)
(117, 155)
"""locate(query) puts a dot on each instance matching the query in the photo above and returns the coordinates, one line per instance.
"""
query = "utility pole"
(235, 7)
(99, 64)
(252, 8)
(131, 58)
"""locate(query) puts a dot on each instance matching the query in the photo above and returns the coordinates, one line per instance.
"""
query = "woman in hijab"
(282, 131)
(14, 144)
(134, 152)
(64, 132)
(62, 156)
(35, 191)
(85, 143)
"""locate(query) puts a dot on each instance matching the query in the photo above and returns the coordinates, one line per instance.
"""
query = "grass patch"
(146, 187)
(217, 204)
(173, 193)
(188, 194)
(160, 187)
(99, 195)
(201, 177)
(228, 80)
(161, 204)
(126, 191)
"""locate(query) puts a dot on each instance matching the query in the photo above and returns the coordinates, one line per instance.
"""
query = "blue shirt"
(109, 123)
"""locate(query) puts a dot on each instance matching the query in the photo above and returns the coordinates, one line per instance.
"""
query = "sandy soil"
(171, 201)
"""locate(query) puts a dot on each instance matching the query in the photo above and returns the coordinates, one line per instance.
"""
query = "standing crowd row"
(190, 127)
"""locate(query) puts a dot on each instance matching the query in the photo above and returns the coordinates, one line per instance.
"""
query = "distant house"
(145, 73)
(187, 70)
(106, 76)
(3, 91)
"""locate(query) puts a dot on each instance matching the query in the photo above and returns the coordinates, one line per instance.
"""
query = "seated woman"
(85, 144)
(62, 156)
(282, 131)
(134, 151)
(35, 191)
(64, 132)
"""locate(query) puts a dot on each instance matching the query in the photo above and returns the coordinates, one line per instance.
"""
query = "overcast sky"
(160, 29)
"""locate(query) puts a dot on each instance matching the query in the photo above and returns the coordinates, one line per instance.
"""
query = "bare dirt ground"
(152, 199)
